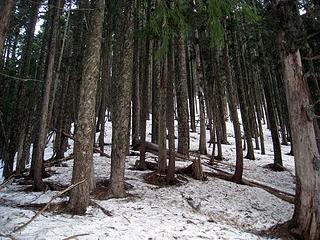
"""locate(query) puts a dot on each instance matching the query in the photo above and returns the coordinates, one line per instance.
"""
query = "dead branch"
(192, 204)
(75, 236)
(97, 205)
(7, 182)
(51, 163)
(7, 236)
(48, 204)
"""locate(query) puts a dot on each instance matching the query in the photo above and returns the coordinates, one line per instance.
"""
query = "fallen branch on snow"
(51, 163)
(7, 236)
(8, 181)
(97, 205)
(75, 236)
(48, 204)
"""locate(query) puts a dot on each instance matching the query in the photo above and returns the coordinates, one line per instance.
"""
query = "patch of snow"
(224, 210)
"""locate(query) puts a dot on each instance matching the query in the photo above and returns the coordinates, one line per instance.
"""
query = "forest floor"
(212, 209)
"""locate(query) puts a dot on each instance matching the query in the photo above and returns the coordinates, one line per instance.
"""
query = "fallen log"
(154, 149)
(288, 197)
(220, 162)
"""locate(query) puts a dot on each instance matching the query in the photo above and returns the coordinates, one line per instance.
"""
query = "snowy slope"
(224, 210)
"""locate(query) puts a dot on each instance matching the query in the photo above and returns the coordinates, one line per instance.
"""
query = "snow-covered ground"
(221, 209)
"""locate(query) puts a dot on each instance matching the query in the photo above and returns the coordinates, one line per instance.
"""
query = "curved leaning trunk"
(306, 218)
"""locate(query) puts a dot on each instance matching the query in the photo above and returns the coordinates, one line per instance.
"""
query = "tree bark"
(145, 95)
(200, 83)
(237, 177)
(190, 80)
(242, 99)
(83, 168)
(135, 82)
(156, 72)
(306, 218)
(170, 117)
(181, 85)
(122, 85)
(162, 139)
(38, 182)
(6, 7)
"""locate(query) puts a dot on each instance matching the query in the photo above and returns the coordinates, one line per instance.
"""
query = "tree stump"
(197, 171)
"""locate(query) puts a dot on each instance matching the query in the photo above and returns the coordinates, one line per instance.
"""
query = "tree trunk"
(266, 80)
(83, 168)
(135, 82)
(106, 56)
(200, 82)
(190, 90)
(237, 177)
(181, 85)
(38, 183)
(145, 96)
(242, 100)
(162, 140)
(122, 85)
(156, 71)
(6, 7)
(272, 122)
(170, 116)
(306, 218)
(24, 105)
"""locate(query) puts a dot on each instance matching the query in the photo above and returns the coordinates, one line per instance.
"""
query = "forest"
(160, 119)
